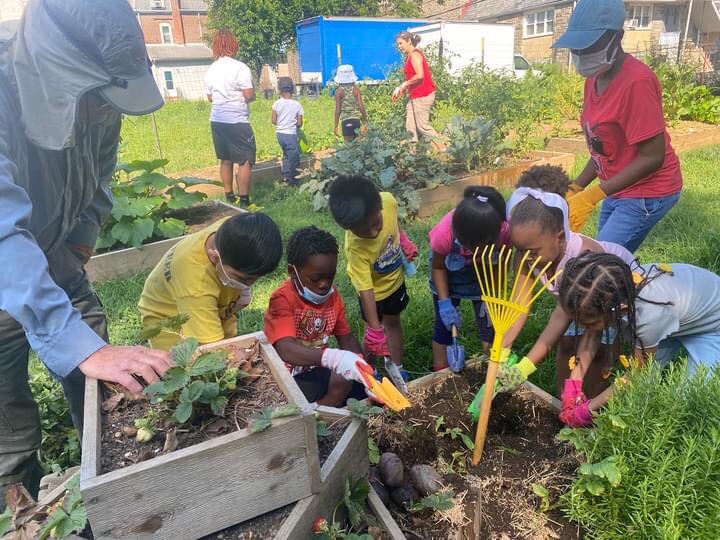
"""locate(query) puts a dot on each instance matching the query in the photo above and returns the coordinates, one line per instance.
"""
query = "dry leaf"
(218, 425)
(26, 531)
(111, 403)
(171, 442)
(18, 498)
(119, 389)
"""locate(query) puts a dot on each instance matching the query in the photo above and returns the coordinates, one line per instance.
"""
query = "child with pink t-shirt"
(478, 221)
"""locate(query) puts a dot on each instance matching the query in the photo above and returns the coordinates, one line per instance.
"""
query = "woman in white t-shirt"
(230, 90)
(663, 308)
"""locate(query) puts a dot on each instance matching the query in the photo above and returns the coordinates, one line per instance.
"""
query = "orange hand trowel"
(384, 392)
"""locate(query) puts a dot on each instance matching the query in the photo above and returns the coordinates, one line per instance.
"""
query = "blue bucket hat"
(590, 20)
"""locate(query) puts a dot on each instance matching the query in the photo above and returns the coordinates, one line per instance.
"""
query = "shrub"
(683, 98)
(652, 460)
(143, 198)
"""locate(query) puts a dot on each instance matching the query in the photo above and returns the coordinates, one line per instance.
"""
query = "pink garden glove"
(408, 247)
(575, 406)
(376, 341)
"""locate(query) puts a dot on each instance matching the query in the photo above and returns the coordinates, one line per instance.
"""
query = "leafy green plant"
(373, 451)
(69, 517)
(544, 496)
(453, 433)
(473, 143)
(652, 460)
(355, 494)
(321, 428)
(142, 199)
(363, 411)
(442, 500)
(683, 98)
(262, 420)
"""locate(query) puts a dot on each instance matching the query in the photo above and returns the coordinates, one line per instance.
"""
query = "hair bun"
(416, 39)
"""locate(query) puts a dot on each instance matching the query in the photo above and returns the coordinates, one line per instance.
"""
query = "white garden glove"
(344, 363)
(244, 299)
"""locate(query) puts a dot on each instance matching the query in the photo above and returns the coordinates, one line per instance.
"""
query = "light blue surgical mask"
(307, 294)
(596, 63)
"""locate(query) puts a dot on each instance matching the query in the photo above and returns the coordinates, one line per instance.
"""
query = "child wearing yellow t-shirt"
(208, 276)
(375, 264)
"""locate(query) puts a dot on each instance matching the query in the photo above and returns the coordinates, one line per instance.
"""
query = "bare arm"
(555, 329)
(514, 331)
(360, 104)
(249, 95)
(440, 276)
(274, 118)
(292, 351)
(369, 306)
(299, 119)
(209, 96)
(588, 174)
(417, 64)
(651, 156)
(349, 343)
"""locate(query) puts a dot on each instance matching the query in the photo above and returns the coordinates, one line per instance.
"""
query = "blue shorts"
(572, 332)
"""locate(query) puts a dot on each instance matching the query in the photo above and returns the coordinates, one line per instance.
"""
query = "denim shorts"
(572, 332)
(702, 349)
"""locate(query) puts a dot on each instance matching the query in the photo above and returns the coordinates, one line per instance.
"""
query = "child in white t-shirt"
(287, 115)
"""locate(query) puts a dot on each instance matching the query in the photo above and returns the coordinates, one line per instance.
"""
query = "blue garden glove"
(449, 314)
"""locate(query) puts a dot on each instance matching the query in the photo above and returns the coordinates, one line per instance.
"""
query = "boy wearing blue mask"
(302, 316)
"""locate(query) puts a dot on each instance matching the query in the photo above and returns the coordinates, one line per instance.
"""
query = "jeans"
(443, 336)
(291, 156)
(701, 348)
(19, 419)
(628, 221)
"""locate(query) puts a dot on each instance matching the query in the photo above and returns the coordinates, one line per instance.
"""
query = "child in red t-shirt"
(304, 312)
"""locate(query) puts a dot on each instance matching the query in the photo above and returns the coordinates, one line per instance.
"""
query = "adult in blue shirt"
(66, 74)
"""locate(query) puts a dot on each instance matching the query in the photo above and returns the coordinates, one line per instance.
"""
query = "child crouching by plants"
(374, 247)
(302, 316)
(208, 277)
(478, 221)
(538, 214)
(661, 307)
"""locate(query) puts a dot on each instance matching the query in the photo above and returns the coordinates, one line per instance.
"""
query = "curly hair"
(309, 241)
(352, 200)
(548, 178)
(224, 44)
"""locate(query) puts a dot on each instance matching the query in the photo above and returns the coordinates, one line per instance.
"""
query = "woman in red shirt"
(419, 85)
(623, 122)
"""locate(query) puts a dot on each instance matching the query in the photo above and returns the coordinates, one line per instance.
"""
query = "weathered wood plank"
(312, 453)
(348, 459)
(543, 396)
(384, 517)
(92, 430)
(207, 487)
(282, 375)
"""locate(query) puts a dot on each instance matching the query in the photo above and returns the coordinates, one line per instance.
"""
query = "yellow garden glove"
(573, 189)
(509, 378)
(582, 205)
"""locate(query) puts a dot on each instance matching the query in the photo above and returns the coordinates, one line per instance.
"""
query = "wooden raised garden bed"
(450, 194)
(495, 499)
(126, 262)
(210, 485)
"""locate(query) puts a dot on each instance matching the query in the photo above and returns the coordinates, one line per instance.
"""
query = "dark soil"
(200, 216)
(494, 500)
(327, 444)
(253, 393)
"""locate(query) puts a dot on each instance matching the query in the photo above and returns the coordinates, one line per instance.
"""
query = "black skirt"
(234, 142)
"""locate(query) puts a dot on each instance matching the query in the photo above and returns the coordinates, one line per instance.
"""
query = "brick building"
(175, 31)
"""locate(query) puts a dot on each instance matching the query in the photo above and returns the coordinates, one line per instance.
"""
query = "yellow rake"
(503, 309)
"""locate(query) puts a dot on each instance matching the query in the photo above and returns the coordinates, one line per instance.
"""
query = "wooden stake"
(481, 431)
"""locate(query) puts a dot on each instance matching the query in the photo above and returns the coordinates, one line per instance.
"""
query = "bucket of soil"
(153, 470)
(495, 499)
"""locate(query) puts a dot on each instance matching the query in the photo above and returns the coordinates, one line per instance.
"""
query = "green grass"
(184, 132)
(689, 233)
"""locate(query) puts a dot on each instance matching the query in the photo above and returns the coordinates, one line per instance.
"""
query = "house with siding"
(675, 29)
(174, 34)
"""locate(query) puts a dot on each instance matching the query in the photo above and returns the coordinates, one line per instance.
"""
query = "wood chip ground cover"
(120, 449)
(495, 499)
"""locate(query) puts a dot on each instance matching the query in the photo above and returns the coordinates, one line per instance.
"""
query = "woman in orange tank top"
(419, 85)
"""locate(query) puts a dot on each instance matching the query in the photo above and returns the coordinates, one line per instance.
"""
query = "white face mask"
(226, 280)
(596, 63)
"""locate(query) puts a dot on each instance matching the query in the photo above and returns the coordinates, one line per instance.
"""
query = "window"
(540, 23)
(169, 82)
(157, 4)
(672, 19)
(166, 33)
(638, 16)
(520, 63)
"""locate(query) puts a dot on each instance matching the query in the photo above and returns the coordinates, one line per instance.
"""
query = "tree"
(265, 29)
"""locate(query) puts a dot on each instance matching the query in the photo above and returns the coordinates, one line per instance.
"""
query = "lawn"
(690, 233)
(184, 132)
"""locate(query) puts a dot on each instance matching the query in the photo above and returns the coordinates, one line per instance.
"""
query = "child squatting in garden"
(660, 307)
(305, 312)
(538, 215)
(287, 116)
(374, 251)
(478, 221)
(208, 276)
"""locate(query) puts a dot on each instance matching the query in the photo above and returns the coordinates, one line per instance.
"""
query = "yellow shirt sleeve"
(205, 324)
(359, 266)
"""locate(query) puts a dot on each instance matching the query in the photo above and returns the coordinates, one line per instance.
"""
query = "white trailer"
(465, 43)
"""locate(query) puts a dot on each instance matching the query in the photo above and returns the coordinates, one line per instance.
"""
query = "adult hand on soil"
(510, 377)
(345, 364)
(582, 205)
(449, 314)
(408, 247)
(376, 341)
(81, 252)
(123, 364)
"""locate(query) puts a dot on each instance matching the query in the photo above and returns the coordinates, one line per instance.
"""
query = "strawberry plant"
(142, 201)
(652, 459)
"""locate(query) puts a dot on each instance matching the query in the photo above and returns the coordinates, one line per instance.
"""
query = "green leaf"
(195, 390)
(218, 405)
(467, 441)
(183, 412)
(354, 497)
(387, 177)
(196, 181)
(210, 362)
(149, 166)
(155, 388)
(321, 429)
(210, 392)
(542, 492)
(78, 518)
(5, 521)
(594, 486)
(364, 412)
(175, 378)
(179, 198)
(439, 422)
(54, 523)
(133, 233)
(183, 352)
(285, 410)
(153, 180)
(439, 501)
(373, 451)
(171, 227)
(260, 421)
(617, 421)
(171, 324)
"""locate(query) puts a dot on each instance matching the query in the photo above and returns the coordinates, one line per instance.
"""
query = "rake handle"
(481, 431)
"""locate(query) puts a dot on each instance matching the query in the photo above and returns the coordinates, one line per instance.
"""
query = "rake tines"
(503, 310)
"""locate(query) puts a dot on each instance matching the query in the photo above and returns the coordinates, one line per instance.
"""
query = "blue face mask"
(310, 296)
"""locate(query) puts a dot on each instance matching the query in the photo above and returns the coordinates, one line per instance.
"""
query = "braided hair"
(224, 44)
(603, 284)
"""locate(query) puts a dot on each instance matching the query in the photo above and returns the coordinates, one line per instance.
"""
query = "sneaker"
(231, 198)
(244, 200)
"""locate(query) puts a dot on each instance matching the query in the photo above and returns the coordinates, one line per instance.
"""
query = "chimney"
(178, 28)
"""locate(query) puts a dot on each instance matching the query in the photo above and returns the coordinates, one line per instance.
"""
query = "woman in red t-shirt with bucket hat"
(419, 85)
(623, 123)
